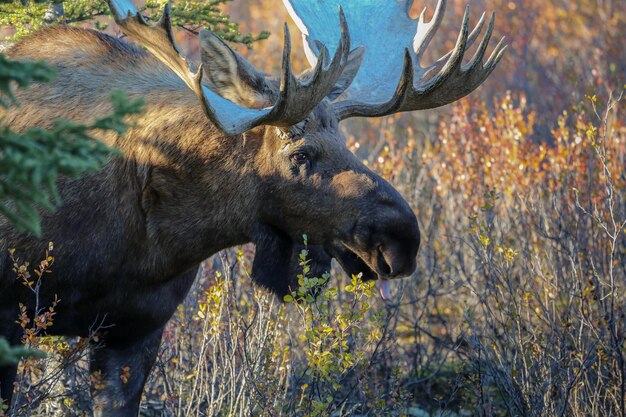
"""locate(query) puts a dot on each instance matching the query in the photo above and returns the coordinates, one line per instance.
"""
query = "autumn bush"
(541, 263)
(517, 307)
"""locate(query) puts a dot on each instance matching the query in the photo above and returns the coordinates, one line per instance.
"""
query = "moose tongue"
(383, 288)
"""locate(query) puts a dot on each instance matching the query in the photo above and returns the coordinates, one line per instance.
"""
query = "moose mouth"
(353, 264)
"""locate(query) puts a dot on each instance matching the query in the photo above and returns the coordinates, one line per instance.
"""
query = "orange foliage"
(479, 150)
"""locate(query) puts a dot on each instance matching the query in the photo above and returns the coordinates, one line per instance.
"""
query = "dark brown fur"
(129, 238)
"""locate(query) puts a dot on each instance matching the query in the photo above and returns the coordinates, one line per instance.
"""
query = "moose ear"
(276, 262)
(349, 72)
(230, 75)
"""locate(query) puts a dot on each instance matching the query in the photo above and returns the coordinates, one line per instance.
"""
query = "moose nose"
(396, 258)
(398, 240)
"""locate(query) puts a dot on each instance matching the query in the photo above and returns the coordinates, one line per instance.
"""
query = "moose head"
(308, 181)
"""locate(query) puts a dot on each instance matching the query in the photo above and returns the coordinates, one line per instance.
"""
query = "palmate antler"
(391, 78)
(296, 99)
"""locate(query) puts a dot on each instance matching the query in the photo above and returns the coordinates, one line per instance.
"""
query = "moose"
(222, 155)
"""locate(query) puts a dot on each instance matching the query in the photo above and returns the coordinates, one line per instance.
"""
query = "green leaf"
(31, 161)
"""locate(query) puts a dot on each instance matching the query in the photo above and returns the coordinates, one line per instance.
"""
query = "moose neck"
(196, 188)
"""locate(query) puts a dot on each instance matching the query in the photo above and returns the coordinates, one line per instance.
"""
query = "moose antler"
(391, 79)
(296, 99)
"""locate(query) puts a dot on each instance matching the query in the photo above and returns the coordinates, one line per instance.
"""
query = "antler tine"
(437, 65)
(477, 29)
(288, 80)
(320, 64)
(153, 37)
(480, 52)
(496, 55)
(429, 29)
(456, 56)
(482, 47)
(296, 98)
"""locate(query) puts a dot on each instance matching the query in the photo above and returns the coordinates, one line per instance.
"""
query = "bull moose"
(222, 155)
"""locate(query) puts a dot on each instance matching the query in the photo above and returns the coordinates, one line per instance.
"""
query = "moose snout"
(393, 263)
(397, 240)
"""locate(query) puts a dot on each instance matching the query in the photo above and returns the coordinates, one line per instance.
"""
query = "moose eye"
(300, 158)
